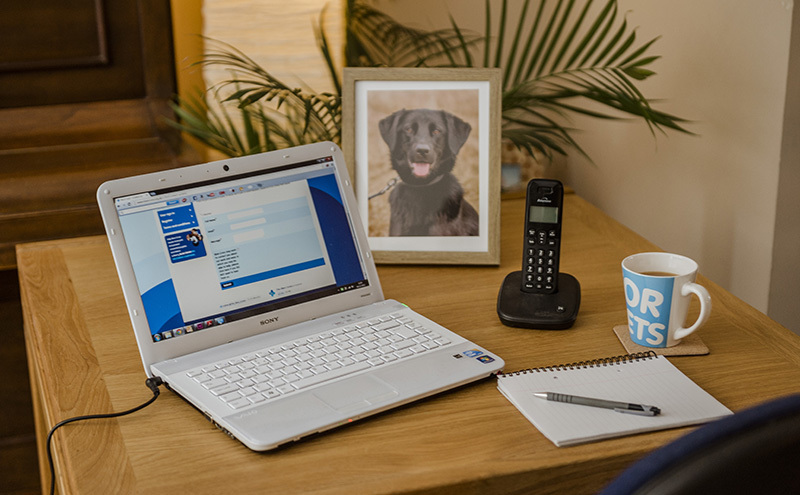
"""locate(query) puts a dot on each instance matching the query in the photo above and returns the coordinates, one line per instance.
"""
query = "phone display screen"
(543, 214)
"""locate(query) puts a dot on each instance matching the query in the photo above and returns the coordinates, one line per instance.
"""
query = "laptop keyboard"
(260, 376)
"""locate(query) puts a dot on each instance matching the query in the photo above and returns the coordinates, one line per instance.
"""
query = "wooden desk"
(83, 359)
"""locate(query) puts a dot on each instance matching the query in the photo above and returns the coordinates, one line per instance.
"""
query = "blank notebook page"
(650, 380)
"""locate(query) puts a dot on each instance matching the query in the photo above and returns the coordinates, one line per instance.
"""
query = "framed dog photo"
(423, 147)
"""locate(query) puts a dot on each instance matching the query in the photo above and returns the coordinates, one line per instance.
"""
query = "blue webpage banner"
(257, 277)
(187, 244)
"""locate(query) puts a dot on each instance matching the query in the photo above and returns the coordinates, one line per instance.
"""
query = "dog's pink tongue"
(421, 169)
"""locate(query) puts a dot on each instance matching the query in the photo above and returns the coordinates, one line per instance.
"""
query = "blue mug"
(658, 287)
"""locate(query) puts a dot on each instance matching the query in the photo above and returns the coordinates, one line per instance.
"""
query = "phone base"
(557, 311)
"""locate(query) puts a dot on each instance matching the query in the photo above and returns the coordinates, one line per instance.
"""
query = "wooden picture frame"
(407, 185)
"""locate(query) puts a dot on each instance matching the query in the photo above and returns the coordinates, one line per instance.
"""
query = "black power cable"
(152, 384)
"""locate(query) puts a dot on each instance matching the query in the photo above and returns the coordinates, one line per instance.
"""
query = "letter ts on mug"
(658, 287)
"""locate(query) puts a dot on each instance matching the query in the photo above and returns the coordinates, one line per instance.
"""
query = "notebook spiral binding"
(608, 361)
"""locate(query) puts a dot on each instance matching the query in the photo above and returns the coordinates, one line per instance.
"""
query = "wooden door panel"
(69, 52)
(57, 34)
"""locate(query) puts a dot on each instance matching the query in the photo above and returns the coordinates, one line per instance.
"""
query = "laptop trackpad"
(357, 392)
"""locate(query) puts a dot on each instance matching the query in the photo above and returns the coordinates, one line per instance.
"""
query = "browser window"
(217, 252)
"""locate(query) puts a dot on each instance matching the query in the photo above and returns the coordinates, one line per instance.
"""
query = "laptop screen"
(214, 252)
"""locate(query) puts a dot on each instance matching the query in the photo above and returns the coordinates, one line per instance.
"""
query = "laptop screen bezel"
(216, 172)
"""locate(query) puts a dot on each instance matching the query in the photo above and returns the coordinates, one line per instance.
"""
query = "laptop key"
(257, 398)
(402, 344)
(386, 325)
(403, 353)
(231, 387)
(239, 403)
(216, 382)
(230, 396)
(247, 391)
(262, 387)
(285, 389)
(405, 332)
(203, 378)
(270, 394)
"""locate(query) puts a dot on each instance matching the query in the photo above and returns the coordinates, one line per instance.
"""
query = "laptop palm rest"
(355, 393)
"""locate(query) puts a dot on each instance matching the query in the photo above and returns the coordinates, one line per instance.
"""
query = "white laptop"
(253, 295)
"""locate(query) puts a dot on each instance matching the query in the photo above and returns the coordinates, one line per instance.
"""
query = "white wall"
(712, 196)
(785, 283)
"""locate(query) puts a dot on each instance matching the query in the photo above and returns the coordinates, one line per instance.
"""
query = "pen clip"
(647, 412)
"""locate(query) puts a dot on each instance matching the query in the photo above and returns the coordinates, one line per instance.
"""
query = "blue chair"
(756, 451)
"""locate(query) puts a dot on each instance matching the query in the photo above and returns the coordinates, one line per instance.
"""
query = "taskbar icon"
(187, 329)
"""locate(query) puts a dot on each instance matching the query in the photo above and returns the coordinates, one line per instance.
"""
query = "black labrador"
(429, 200)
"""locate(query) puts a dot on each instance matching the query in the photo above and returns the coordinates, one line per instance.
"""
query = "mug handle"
(705, 307)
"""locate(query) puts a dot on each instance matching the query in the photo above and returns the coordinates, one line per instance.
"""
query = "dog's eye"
(409, 130)
(435, 132)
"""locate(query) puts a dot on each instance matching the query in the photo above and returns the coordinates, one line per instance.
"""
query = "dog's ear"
(457, 132)
(388, 127)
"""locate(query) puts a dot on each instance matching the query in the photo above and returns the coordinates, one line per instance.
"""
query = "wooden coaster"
(692, 345)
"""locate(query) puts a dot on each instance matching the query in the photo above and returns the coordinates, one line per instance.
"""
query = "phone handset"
(542, 236)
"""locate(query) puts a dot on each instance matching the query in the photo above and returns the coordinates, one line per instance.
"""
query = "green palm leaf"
(568, 55)
(555, 56)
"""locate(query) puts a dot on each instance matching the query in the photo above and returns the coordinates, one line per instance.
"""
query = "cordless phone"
(542, 236)
(540, 296)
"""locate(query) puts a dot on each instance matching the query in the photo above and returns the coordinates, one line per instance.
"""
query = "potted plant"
(553, 59)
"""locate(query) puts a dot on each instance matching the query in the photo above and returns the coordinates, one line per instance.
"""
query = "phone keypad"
(541, 260)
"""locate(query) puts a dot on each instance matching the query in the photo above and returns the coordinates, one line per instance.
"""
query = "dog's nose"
(422, 151)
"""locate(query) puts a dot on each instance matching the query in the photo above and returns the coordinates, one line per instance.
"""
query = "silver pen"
(623, 407)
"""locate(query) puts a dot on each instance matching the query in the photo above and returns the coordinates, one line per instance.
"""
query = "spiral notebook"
(642, 378)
